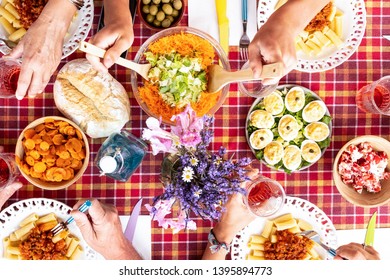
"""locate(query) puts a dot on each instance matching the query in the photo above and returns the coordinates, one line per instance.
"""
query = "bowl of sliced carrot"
(52, 153)
(180, 57)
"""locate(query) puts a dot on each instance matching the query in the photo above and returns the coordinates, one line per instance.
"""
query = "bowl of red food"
(361, 171)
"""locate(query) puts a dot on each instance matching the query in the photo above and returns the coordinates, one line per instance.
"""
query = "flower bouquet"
(197, 180)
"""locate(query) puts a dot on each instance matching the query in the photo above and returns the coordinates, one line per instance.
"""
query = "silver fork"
(244, 40)
(64, 225)
(313, 235)
(10, 44)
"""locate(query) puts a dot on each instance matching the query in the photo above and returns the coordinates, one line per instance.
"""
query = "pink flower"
(188, 127)
(160, 210)
(160, 140)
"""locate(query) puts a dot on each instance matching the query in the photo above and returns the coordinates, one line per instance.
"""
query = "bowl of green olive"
(160, 14)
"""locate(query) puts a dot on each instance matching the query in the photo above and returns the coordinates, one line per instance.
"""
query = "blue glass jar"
(120, 155)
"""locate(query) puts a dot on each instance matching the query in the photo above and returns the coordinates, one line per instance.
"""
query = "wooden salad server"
(141, 69)
(219, 77)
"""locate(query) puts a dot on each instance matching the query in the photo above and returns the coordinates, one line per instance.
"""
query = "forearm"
(116, 10)
(128, 252)
(58, 12)
(296, 14)
(224, 234)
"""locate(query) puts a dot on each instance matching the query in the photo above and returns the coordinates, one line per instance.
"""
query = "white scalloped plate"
(354, 25)
(299, 208)
(11, 216)
(77, 32)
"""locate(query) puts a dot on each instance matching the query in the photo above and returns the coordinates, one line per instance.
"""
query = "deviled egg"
(316, 131)
(311, 152)
(288, 127)
(273, 103)
(314, 111)
(261, 138)
(295, 99)
(262, 119)
(292, 157)
(273, 152)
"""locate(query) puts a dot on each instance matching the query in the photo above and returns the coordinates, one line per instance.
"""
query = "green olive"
(167, 8)
(153, 10)
(156, 1)
(166, 23)
(150, 18)
(177, 4)
(175, 13)
(157, 23)
(146, 9)
(146, 2)
(171, 19)
(160, 16)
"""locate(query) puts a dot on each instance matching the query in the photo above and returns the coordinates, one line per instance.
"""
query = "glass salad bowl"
(178, 77)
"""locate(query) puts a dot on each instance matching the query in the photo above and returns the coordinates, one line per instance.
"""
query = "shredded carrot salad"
(187, 45)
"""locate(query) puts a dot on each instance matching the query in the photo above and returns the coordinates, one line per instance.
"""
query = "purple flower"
(200, 182)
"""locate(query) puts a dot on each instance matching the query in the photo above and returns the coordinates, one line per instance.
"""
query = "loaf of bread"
(96, 102)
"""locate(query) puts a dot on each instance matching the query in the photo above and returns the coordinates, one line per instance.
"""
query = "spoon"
(10, 44)
(141, 69)
(219, 77)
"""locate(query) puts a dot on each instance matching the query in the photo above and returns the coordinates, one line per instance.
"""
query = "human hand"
(103, 231)
(271, 44)
(41, 48)
(116, 37)
(355, 251)
(237, 215)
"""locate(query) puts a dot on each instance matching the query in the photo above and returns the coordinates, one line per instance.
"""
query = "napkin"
(202, 15)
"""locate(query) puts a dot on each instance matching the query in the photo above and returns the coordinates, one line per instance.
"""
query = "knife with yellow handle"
(223, 25)
(369, 239)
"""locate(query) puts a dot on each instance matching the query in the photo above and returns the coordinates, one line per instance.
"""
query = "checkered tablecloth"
(337, 87)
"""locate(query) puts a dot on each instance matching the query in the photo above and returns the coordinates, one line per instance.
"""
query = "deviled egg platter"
(289, 129)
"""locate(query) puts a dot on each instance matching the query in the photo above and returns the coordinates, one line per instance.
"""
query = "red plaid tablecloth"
(337, 87)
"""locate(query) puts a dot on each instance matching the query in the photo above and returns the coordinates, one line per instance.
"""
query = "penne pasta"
(72, 246)
(284, 217)
(315, 49)
(30, 218)
(17, 35)
(255, 246)
(77, 253)
(279, 4)
(12, 250)
(338, 25)
(267, 229)
(7, 26)
(257, 239)
(286, 224)
(303, 225)
(322, 38)
(333, 37)
(251, 257)
(7, 15)
(11, 9)
(258, 253)
(48, 218)
(24, 230)
(62, 235)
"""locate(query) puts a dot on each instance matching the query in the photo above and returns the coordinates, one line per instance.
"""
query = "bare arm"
(274, 42)
(116, 36)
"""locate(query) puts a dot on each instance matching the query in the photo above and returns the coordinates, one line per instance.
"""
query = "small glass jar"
(120, 155)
